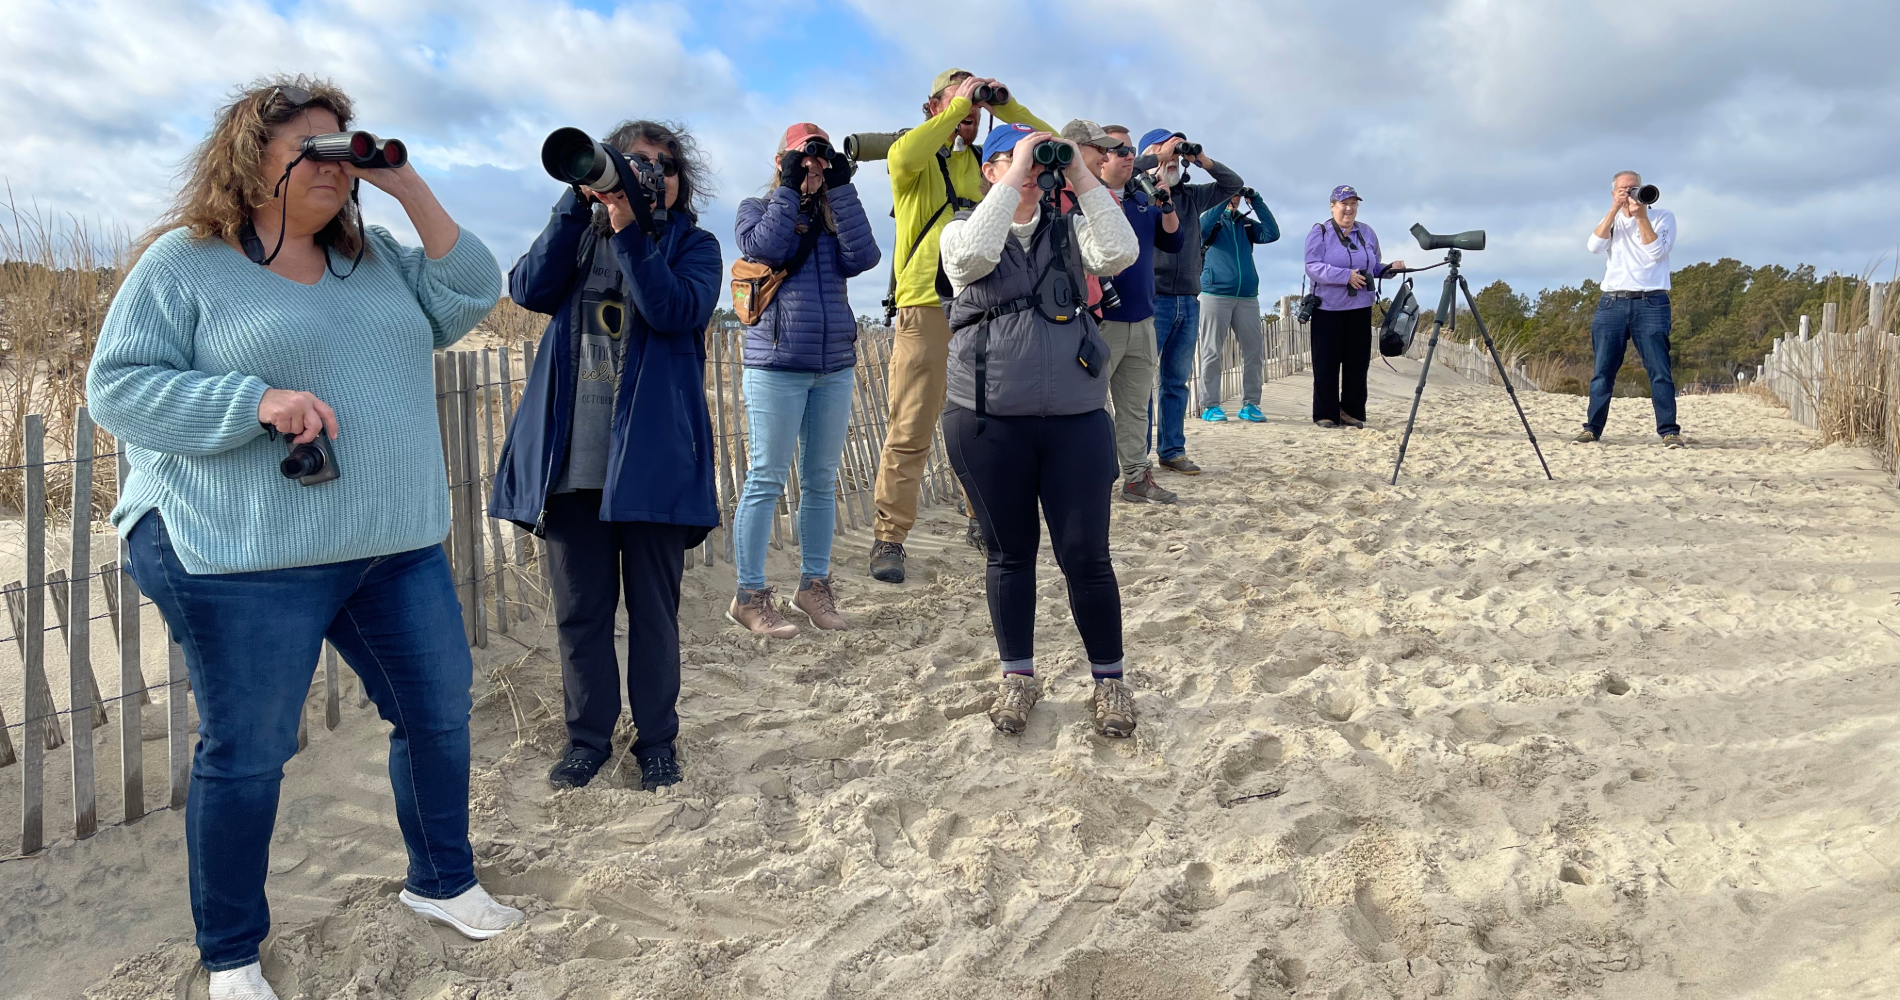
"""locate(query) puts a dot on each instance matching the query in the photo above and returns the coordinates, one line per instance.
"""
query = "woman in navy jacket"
(610, 456)
(799, 360)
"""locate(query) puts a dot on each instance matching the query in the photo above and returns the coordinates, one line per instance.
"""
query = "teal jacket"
(1230, 238)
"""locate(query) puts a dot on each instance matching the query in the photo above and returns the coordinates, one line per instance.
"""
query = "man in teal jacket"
(1230, 300)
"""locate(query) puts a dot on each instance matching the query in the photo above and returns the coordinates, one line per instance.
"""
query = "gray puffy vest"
(1024, 343)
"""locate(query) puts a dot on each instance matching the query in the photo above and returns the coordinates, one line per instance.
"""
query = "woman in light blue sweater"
(208, 366)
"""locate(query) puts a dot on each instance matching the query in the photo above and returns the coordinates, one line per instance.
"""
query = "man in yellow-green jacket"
(934, 172)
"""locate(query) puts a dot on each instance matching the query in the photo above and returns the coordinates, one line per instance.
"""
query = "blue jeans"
(1616, 323)
(251, 644)
(1177, 326)
(791, 413)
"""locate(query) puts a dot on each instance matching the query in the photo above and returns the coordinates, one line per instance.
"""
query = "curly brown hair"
(223, 178)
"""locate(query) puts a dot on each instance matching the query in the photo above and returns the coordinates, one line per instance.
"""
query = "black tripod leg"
(1506, 376)
(1418, 394)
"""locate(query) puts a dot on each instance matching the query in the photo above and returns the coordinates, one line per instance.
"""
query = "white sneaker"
(241, 984)
(474, 914)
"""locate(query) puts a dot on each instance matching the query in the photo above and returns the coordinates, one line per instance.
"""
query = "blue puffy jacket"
(809, 327)
(660, 462)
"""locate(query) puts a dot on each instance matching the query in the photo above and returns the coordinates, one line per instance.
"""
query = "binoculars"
(986, 94)
(1188, 148)
(1050, 153)
(359, 149)
(819, 148)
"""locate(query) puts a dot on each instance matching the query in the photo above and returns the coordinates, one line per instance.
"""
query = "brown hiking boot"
(816, 601)
(1113, 706)
(758, 613)
(887, 561)
(1146, 490)
(1017, 696)
(1181, 464)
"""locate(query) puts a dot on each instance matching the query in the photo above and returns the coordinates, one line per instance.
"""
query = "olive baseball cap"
(1084, 132)
(946, 78)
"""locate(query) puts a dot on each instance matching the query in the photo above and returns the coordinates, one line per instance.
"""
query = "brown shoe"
(1019, 694)
(1348, 420)
(1181, 464)
(1146, 490)
(816, 601)
(758, 613)
(1113, 706)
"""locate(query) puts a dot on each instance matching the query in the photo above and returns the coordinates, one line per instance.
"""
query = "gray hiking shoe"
(1146, 490)
(757, 611)
(887, 562)
(1113, 707)
(1672, 440)
(1019, 694)
(1587, 437)
(1348, 420)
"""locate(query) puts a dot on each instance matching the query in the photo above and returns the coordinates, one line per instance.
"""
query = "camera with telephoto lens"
(1647, 194)
(1111, 298)
(358, 149)
(571, 156)
(311, 463)
(862, 146)
(986, 94)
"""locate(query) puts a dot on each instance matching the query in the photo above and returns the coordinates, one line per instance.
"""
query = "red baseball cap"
(798, 134)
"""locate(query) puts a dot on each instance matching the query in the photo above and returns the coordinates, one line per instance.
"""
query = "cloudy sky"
(1769, 126)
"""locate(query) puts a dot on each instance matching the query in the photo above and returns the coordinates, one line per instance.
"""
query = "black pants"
(591, 561)
(1068, 465)
(1342, 350)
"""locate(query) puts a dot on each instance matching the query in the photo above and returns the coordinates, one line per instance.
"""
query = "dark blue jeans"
(251, 644)
(1177, 326)
(1616, 323)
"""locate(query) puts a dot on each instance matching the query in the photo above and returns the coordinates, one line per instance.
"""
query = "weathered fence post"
(31, 631)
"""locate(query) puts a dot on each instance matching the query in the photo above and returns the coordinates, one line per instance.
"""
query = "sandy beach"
(1628, 734)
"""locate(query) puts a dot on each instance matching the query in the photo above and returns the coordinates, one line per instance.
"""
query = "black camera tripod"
(1448, 306)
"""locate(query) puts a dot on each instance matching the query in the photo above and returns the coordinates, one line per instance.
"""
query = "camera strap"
(253, 247)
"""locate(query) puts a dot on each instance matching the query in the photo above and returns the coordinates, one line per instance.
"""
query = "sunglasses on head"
(295, 97)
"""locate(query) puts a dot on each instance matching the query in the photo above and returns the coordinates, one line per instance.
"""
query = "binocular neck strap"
(254, 247)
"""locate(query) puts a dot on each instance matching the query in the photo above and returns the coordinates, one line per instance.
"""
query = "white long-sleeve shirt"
(971, 248)
(1636, 266)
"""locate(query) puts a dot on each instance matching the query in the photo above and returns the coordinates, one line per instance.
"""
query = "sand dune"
(1627, 734)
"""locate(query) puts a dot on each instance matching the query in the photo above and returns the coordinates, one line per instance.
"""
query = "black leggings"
(1068, 464)
(1342, 350)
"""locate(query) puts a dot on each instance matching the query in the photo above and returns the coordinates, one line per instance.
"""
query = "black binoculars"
(819, 148)
(359, 149)
(1050, 153)
(987, 94)
(1188, 148)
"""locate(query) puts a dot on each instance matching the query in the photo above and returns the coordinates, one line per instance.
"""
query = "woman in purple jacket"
(1342, 258)
(799, 360)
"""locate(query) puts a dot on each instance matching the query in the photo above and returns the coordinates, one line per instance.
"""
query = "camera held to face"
(571, 156)
(311, 463)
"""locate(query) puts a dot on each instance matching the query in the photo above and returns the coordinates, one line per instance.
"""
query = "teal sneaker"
(1214, 415)
(1251, 414)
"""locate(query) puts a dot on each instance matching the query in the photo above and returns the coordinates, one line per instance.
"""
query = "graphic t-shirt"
(602, 352)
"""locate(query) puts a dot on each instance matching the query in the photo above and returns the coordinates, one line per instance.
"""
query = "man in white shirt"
(1634, 306)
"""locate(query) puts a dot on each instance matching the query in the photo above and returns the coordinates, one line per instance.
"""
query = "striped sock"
(1104, 671)
(1025, 666)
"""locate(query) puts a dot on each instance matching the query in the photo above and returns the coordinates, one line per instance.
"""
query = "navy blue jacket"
(660, 462)
(1136, 285)
(809, 327)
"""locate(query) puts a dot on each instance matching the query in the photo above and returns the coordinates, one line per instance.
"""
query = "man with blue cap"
(1178, 282)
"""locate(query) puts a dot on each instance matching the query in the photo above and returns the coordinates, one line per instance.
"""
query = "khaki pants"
(1131, 380)
(920, 355)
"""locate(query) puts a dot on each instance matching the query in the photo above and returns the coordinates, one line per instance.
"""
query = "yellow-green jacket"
(917, 192)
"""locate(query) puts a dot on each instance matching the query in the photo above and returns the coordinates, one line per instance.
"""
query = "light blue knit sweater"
(198, 332)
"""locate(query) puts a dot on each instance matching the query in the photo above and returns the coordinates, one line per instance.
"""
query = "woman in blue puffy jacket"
(799, 360)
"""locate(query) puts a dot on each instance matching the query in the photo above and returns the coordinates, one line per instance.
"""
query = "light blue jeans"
(791, 413)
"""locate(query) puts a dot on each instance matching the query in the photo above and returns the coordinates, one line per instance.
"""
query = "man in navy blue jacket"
(610, 455)
(1129, 327)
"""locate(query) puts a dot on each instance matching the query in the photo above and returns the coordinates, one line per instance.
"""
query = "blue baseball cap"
(1003, 139)
(1153, 136)
(1344, 191)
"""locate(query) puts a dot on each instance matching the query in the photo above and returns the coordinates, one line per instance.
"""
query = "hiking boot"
(1587, 437)
(575, 770)
(1181, 464)
(1326, 423)
(1672, 440)
(887, 562)
(1146, 490)
(815, 600)
(973, 536)
(1348, 420)
(1214, 415)
(757, 612)
(658, 772)
(1010, 711)
(1251, 414)
(246, 983)
(1113, 707)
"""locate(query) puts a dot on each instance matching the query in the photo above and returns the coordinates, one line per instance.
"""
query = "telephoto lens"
(986, 94)
(1111, 296)
(571, 156)
(1647, 194)
(1052, 153)
(862, 146)
(360, 149)
(311, 463)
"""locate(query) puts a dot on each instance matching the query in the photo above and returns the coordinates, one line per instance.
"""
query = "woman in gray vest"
(1026, 426)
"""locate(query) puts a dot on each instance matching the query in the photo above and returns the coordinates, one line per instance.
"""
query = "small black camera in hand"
(311, 463)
